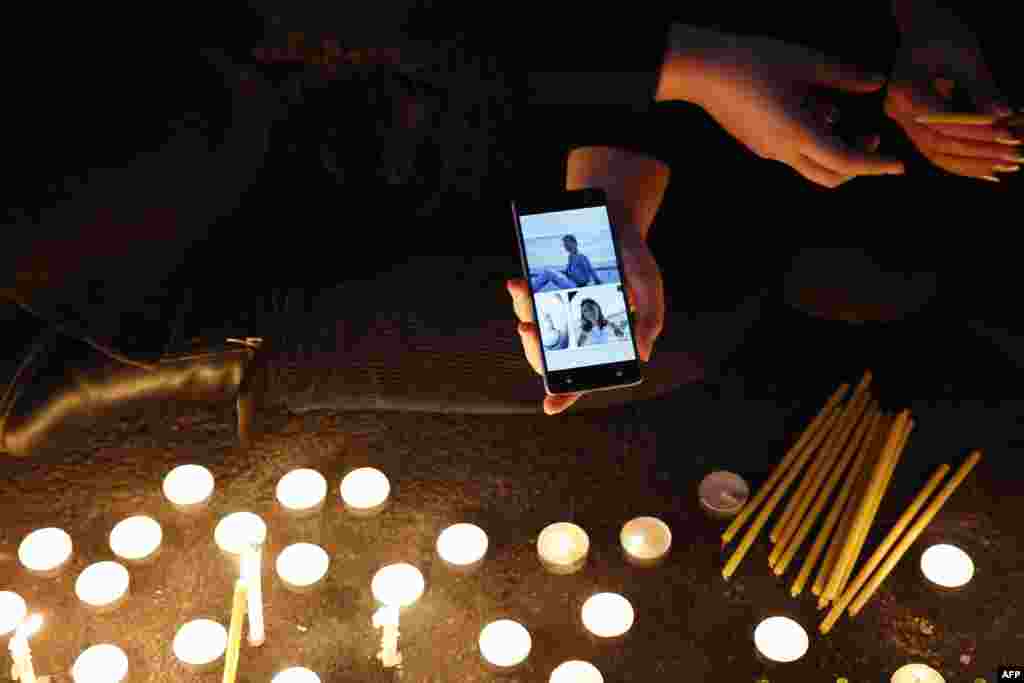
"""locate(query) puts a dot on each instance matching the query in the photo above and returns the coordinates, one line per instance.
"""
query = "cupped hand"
(938, 54)
(645, 291)
(758, 91)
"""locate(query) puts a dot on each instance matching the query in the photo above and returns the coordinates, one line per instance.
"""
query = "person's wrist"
(689, 57)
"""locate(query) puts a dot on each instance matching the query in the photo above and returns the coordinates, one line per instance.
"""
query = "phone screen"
(574, 276)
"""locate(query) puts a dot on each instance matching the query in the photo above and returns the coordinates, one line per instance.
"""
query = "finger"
(557, 404)
(930, 141)
(817, 173)
(520, 292)
(649, 305)
(994, 134)
(972, 167)
(815, 67)
(531, 346)
(829, 151)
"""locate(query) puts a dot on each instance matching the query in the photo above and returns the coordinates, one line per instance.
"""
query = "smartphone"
(572, 261)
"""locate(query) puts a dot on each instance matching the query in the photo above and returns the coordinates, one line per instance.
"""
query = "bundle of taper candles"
(853, 447)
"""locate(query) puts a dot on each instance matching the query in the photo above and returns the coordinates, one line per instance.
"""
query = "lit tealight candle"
(189, 487)
(608, 615)
(916, 673)
(136, 539)
(302, 566)
(45, 551)
(200, 643)
(645, 540)
(302, 491)
(397, 586)
(12, 611)
(780, 639)
(576, 671)
(101, 664)
(102, 585)
(237, 531)
(563, 548)
(505, 643)
(296, 674)
(365, 491)
(462, 546)
(947, 566)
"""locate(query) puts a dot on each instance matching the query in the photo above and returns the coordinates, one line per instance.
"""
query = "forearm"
(634, 183)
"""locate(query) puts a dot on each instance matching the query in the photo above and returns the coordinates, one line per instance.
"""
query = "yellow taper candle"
(238, 608)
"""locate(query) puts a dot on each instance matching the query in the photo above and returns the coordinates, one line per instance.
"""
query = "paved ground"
(513, 475)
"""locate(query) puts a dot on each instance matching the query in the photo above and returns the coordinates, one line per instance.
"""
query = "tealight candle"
(189, 487)
(12, 611)
(576, 671)
(302, 566)
(302, 491)
(365, 491)
(916, 673)
(136, 539)
(645, 540)
(505, 643)
(462, 546)
(947, 566)
(296, 674)
(21, 654)
(200, 643)
(722, 494)
(237, 531)
(563, 548)
(397, 586)
(102, 585)
(608, 615)
(45, 552)
(780, 639)
(101, 664)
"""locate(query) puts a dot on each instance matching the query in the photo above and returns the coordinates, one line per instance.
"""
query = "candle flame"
(31, 625)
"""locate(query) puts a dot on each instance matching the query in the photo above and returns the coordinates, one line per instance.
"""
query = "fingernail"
(1010, 141)
(1015, 158)
(1007, 169)
(989, 177)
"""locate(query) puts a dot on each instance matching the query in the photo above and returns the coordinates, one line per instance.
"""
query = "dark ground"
(514, 475)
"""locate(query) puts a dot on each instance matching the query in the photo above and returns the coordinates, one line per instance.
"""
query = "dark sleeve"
(607, 60)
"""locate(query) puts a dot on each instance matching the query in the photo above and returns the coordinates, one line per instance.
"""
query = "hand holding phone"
(593, 290)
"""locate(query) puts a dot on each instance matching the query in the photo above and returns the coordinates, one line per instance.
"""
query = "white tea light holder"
(237, 531)
(780, 640)
(104, 663)
(137, 539)
(365, 491)
(302, 492)
(607, 616)
(563, 547)
(45, 552)
(946, 567)
(645, 541)
(916, 673)
(13, 611)
(722, 494)
(102, 586)
(505, 645)
(200, 644)
(189, 488)
(462, 547)
(296, 674)
(302, 566)
(576, 671)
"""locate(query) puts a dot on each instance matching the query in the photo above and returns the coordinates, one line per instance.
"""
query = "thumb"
(826, 71)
